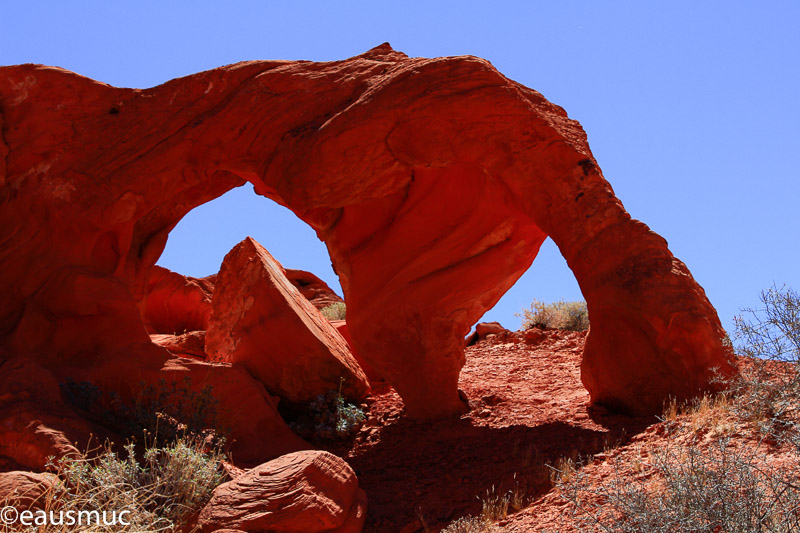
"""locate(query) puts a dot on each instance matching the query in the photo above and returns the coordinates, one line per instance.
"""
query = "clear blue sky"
(692, 109)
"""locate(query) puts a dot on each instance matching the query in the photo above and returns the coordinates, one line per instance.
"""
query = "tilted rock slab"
(312, 491)
(433, 183)
(261, 321)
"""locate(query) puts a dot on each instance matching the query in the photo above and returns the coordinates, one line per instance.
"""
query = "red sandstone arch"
(433, 182)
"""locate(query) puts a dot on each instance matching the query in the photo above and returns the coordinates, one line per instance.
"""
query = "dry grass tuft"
(495, 505)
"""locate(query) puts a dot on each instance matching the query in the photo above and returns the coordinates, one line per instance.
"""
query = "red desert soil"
(528, 407)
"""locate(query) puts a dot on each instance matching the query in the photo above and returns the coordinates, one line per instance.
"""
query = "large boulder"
(311, 491)
(262, 322)
(190, 344)
(433, 182)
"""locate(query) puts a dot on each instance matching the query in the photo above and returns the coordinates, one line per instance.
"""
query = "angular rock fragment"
(261, 322)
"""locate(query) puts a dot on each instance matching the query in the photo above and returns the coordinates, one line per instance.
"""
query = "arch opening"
(199, 241)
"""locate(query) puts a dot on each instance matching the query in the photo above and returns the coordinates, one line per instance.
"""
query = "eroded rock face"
(191, 344)
(312, 491)
(433, 182)
(35, 424)
(176, 304)
(341, 327)
(26, 490)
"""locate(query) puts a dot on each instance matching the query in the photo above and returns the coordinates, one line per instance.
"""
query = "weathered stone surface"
(433, 182)
(26, 490)
(312, 491)
(35, 424)
(191, 344)
(262, 322)
(176, 304)
(371, 373)
(489, 328)
(534, 336)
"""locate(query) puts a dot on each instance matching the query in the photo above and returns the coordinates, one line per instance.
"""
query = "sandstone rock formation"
(242, 407)
(175, 303)
(35, 424)
(312, 491)
(191, 344)
(433, 182)
(341, 327)
(262, 322)
(26, 490)
(483, 330)
(314, 289)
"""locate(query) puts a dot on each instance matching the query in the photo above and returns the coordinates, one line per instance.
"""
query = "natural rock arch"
(433, 182)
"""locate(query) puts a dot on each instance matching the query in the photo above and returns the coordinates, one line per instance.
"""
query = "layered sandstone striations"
(175, 303)
(433, 182)
(311, 491)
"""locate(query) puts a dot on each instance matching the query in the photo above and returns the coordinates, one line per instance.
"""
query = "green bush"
(328, 418)
(334, 418)
(336, 311)
(573, 316)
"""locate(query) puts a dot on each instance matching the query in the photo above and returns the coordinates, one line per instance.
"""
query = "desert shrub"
(719, 486)
(335, 418)
(166, 411)
(494, 507)
(767, 391)
(573, 316)
(328, 417)
(717, 489)
(167, 485)
(335, 311)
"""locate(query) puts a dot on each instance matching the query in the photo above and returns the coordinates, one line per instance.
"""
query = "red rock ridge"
(433, 182)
